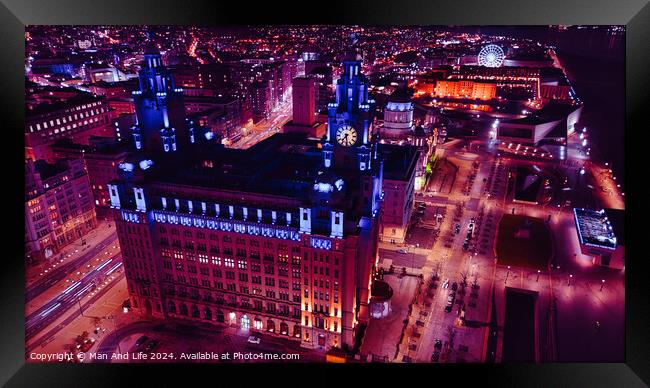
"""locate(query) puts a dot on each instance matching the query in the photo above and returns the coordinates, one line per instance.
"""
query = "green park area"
(523, 241)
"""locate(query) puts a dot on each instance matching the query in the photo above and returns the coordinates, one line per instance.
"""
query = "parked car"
(253, 340)
(141, 340)
(445, 284)
(454, 286)
(402, 251)
(152, 344)
(438, 344)
(435, 356)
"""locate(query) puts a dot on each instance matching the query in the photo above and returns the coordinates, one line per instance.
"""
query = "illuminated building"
(78, 118)
(524, 80)
(398, 118)
(281, 237)
(58, 207)
(466, 89)
(161, 122)
(260, 96)
(602, 235)
(398, 128)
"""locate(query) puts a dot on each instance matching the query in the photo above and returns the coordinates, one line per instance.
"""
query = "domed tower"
(398, 116)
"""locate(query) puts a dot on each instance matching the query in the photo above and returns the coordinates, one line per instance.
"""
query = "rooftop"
(596, 229)
(399, 160)
(285, 165)
(45, 108)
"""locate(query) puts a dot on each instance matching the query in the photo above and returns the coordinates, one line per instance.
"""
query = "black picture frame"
(16, 14)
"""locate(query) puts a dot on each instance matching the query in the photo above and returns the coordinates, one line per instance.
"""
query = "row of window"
(77, 116)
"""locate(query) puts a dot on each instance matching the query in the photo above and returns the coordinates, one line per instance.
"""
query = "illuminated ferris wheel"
(491, 56)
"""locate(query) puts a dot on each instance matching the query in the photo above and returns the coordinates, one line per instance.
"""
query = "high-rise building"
(281, 237)
(304, 94)
(304, 101)
(260, 97)
(58, 206)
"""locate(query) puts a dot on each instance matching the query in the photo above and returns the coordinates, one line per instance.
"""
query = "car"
(448, 308)
(454, 286)
(435, 356)
(141, 340)
(445, 284)
(152, 344)
(402, 251)
(457, 229)
(466, 245)
(253, 340)
(437, 345)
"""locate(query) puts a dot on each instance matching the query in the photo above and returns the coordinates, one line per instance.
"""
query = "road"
(268, 127)
(62, 271)
(71, 297)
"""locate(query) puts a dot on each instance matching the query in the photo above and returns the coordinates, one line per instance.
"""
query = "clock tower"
(348, 141)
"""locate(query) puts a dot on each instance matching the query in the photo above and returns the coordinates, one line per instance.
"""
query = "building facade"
(466, 89)
(79, 118)
(281, 237)
(58, 207)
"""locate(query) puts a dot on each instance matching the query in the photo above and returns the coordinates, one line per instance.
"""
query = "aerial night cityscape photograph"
(324, 194)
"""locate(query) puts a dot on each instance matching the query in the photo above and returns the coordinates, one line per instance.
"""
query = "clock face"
(346, 135)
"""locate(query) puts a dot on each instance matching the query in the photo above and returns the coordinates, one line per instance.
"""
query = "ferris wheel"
(491, 56)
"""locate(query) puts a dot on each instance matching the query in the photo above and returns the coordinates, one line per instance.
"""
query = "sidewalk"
(383, 335)
(70, 252)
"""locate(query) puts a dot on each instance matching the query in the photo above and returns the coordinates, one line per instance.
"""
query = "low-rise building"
(602, 235)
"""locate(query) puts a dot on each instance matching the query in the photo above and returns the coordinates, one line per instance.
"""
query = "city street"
(269, 126)
(41, 278)
(482, 192)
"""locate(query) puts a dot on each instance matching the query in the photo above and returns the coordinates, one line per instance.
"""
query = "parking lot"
(497, 182)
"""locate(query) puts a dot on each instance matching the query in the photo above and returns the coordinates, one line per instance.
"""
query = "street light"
(569, 280)
(538, 271)
(508, 274)
(602, 283)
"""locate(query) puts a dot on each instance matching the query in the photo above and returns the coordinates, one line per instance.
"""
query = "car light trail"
(49, 310)
(116, 266)
(72, 287)
(84, 289)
